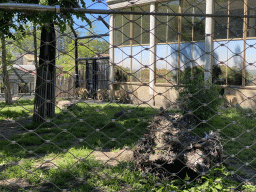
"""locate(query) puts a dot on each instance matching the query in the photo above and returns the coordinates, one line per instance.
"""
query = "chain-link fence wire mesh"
(135, 96)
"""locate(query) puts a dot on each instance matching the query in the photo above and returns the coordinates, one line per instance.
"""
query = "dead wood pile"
(170, 149)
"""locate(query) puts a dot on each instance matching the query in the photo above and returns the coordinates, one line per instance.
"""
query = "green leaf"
(218, 186)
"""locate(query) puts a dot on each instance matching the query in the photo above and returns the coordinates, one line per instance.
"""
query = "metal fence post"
(208, 41)
(152, 59)
(111, 56)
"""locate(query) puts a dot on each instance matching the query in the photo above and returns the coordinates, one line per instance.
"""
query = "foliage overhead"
(13, 20)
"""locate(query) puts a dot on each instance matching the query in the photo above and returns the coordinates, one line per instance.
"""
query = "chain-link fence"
(143, 95)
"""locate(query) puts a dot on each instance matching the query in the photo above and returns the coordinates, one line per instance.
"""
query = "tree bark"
(6, 81)
(44, 105)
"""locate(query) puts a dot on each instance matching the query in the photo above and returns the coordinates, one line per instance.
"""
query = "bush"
(120, 74)
(201, 100)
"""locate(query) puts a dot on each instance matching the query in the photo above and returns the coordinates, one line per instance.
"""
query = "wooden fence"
(65, 83)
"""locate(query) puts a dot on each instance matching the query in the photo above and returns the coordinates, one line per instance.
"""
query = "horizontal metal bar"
(42, 8)
(93, 36)
(103, 21)
(92, 58)
(27, 7)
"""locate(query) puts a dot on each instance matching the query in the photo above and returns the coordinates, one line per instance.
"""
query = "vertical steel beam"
(94, 78)
(245, 29)
(152, 56)
(87, 74)
(111, 56)
(76, 58)
(179, 41)
(228, 29)
(208, 42)
(131, 43)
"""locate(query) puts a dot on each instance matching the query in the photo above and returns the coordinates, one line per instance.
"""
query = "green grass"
(74, 135)
(21, 108)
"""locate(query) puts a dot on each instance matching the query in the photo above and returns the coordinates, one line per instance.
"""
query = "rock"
(64, 104)
(231, 100)
(170, 148)
(119, 114)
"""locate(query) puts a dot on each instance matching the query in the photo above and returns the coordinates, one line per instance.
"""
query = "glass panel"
(137, 27)
(172, 28)
(186, 25)
(199, 22)
(220, 30)
(145, 25)
(172, 63)
(136, 63)
(250, 64)
(118, 30)
(161, 63)
(235, 62)
(118, 56)
(220, 59)
(126, 28)
(144, 72)
(251, 21)
(236, 23)
(126, 64)
(161, 24)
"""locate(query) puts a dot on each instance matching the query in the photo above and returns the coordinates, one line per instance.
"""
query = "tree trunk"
(6, 81)
(44, 106)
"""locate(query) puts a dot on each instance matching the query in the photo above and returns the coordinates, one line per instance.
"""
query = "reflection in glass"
(118, 30)
(221, 23)
(251, 21)
(126, 28)
(145, 25)
(236, 23)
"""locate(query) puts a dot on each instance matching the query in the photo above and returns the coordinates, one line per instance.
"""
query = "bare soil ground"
(9, 128)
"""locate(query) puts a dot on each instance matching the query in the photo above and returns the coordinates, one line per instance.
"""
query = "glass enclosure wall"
(180, 41)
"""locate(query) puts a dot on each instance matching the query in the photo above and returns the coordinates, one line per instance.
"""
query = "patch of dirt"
(15, 184)
(8, 128)
(114, 158)
(243, 173)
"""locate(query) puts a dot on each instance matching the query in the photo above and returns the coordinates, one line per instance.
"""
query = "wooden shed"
(22, 79)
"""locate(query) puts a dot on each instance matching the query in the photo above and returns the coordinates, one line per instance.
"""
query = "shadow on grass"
(61, 150)
(80, 129)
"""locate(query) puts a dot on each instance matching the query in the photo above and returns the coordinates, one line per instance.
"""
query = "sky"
(99, 27)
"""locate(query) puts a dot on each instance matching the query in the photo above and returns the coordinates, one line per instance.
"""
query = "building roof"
(114, 4)
(29, 57)
(27, 68)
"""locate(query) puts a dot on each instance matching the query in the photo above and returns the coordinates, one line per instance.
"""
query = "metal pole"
(152, 56)
(178, 71)
(76, 59)
(245, 29)
(103, 21)
(111, 56)
(93, 36)
(43, 8)
(87, 76)
(208, 42)
(131, 44)
(95, 78)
